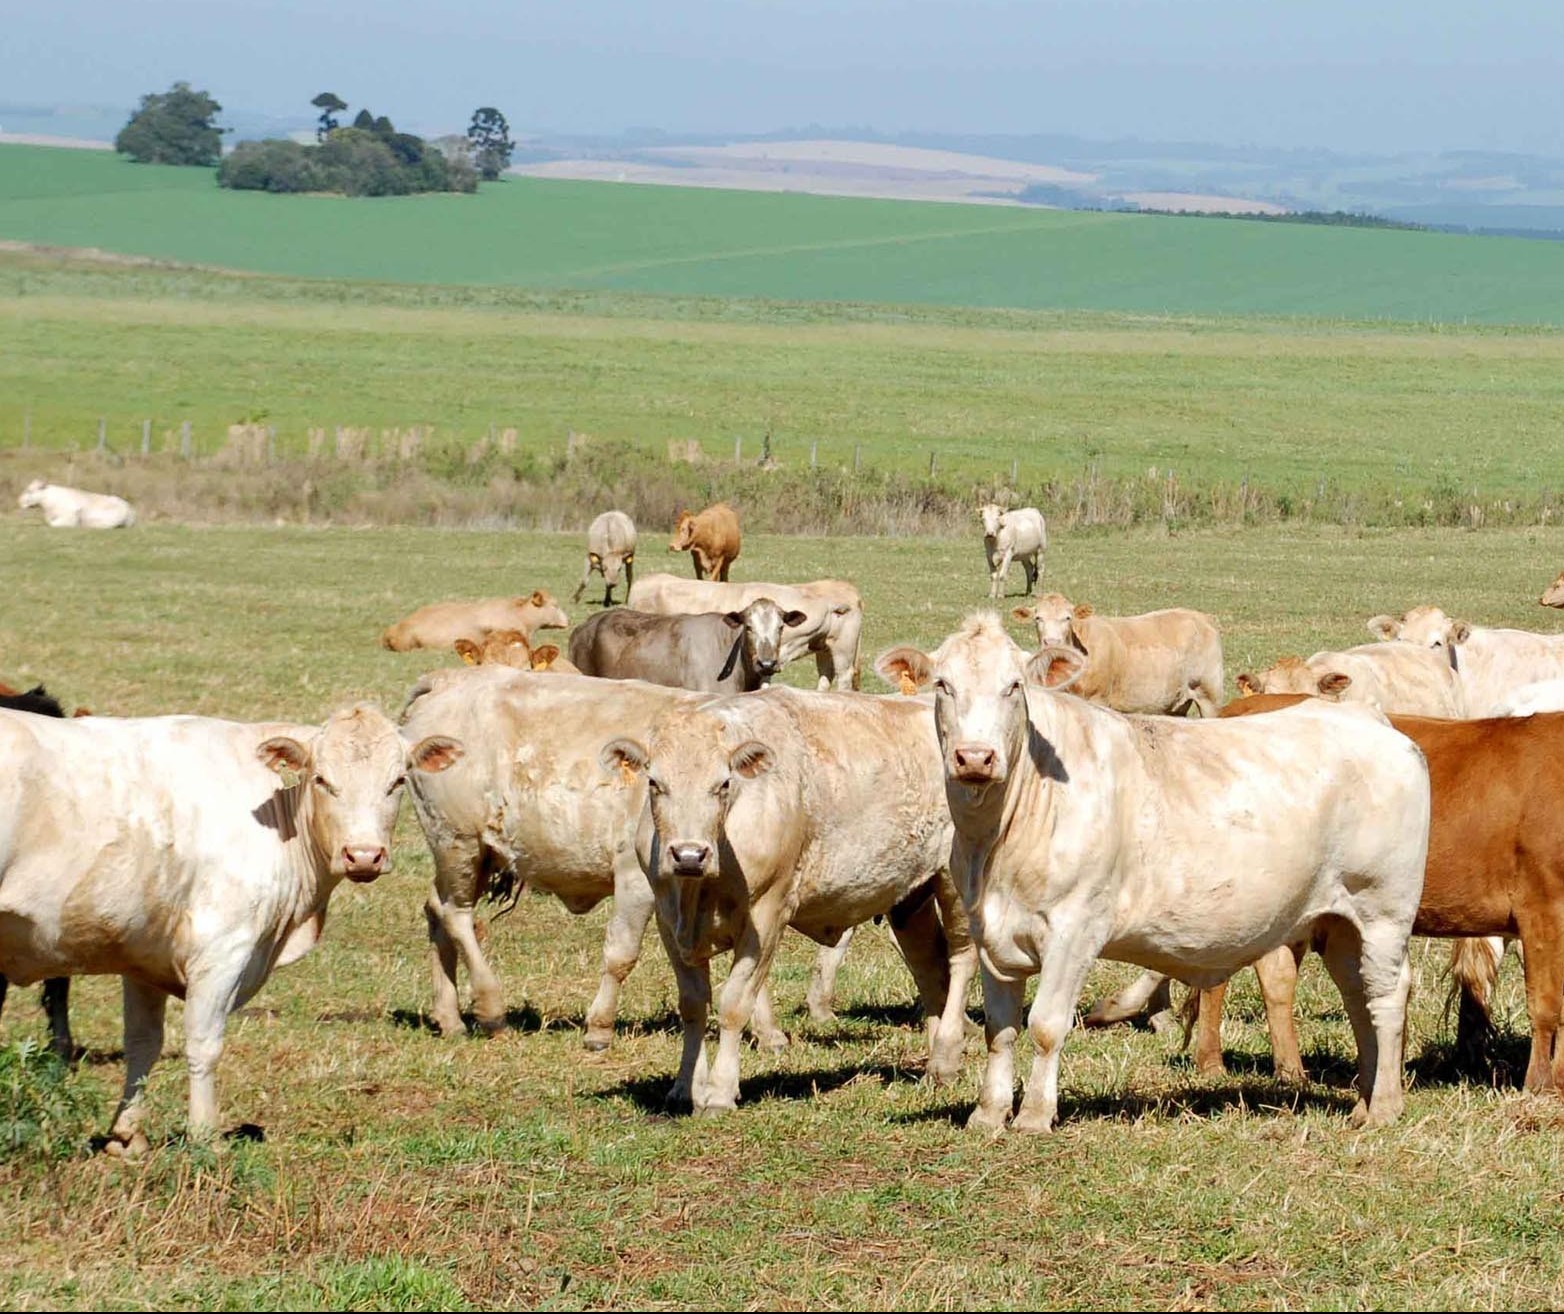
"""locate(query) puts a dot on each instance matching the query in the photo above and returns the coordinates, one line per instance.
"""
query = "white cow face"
(980, 679)
(692, 780)
(32, 495)
(354, 770)
(763, 622)
(1054, 615)
(991, 513)
(1428, 627)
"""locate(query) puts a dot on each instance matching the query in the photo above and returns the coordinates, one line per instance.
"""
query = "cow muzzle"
(364, 862)
(689, 860)
(974, 764)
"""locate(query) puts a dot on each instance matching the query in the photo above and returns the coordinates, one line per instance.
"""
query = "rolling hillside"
(546, 234)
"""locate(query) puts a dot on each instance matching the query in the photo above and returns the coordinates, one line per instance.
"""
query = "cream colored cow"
(1492, 664)
(441, 624)
(1019, 535)
(71, 508)
(1393, 677)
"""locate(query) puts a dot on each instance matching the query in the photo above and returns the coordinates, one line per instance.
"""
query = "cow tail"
(1474, 969)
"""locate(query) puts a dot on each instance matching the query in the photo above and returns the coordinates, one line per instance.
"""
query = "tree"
(329, 105)
(174, 127)
(491, 144)
(364, 121)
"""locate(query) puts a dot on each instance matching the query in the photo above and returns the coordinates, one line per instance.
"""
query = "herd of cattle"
(1011, 811)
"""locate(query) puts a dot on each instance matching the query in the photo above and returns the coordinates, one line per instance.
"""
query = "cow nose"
(975, 761)
(766, 664)
(689, 859)
(361, 860)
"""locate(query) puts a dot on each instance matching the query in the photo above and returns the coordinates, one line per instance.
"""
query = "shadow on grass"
(648, 1093)
(246, 1132)
(1500, 1064)
(525, 1019)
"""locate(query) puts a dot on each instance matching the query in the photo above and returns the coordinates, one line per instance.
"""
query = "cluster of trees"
(369, 157)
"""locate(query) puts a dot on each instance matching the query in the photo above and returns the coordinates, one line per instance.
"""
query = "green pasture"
(687, 241)
(399, 1170)
(1286, 404)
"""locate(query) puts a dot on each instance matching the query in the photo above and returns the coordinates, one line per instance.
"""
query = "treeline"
(368, 158)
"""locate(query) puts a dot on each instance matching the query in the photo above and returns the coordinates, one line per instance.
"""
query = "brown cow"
(510, 648)
(1495, 866)
(441, 624)
(1553, 595)
(710, 537)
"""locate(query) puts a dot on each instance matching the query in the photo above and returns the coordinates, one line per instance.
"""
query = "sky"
(1374, 76)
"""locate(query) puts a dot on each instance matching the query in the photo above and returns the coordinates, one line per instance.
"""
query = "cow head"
(611, 566)
(32, 495)
(980, 678)
(683, 532)
(1553, 595)
(498, 648)
(353, 769)
(1292, 675)
(692, 780)
(1428, 627)
(761, 625)
(991, 513)
(544, 612)
(1055, 616)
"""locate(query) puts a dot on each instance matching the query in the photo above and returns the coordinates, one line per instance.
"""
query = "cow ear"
(1022, 613)
(1333, 684)
(1082, 610)
(285, 755)
(793, 619)
(434, 754)
(629, 558)
(1248, 686)
(1055, 668)
(82, 711)
(625, 756)
(1383, 627)
(900, 665)
(468, 651)
(543, 658)
(750, 759)
(538, 600)
(1460, 631)
(734, 618)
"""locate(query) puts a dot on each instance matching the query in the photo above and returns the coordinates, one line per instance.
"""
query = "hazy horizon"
(1388, 79)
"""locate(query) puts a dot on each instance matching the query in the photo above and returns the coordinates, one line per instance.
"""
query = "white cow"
(1492, 663)
(165, 850)
(1019, 535)
(1395, 678)
(833, 611)
(815, 810)
(610, 548)
(1529, 699)
(1187, 847)
(71, 508)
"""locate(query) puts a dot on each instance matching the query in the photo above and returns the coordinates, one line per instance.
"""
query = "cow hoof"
(1164, 1023)
(449, 1026)
(678, 1104)
(987, 1120)
(822, 1017)
(1211, 1068)
(1291, 1076)
(131, 1149)
(774, 1043)
(595, 1042)
(1032, 1124)
(715, 1109)
(491, 1026)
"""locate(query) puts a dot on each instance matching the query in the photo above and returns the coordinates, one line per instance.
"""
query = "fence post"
(814, 451)
(103, 433)
(738, 449)
(271, 444)
(1015, 470)
(27, 430)
(857, 456)
(931, 465)
(184, 439)
(146, 437)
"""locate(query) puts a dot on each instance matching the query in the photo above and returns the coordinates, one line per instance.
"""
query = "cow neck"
(309, 867)
(1454, 660)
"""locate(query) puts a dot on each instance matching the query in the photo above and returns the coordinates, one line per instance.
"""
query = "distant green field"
(529, 233)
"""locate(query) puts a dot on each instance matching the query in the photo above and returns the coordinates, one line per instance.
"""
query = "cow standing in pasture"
(1391, 677)
(166, 850)
(716, 652)
(811, 810)
(711, 537)
(1019, 535)
(1161, 662)
(610, 549)
(530, 802)
(832, 609)
(71, 508)
(1188, 847)
(441, 624)
(1492, 664)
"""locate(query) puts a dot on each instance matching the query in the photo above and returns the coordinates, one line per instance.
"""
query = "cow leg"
(446, 1009)
(694, 983)
(1149, 996)
(633, 905)
(723, 573)
(1002, 573)
(763, 1023)
(1002, 1001)
(488, 998)
(57, 1004)
(210, 998)
(1029, 569)
(1208, 1031)
(1371, 971)
(950, 1036)
(144, 1009)
(1542, 942)
(915, 926)
(1278, 973)
(1059, 985)
(4, 986)
(753, 950)
(700, 563)
(822, 980)
(581, 587)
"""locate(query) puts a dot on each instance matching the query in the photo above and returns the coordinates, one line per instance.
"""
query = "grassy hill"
(541, 234)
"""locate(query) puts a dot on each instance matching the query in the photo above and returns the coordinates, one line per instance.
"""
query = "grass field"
(1285, 404)
(404, 1171)
(532, 233)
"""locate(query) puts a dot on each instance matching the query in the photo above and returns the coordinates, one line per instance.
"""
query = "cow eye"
(326, 785)
(397, 784)
(1014, 689)
(943, 686)
(721, 791)
(654, 786)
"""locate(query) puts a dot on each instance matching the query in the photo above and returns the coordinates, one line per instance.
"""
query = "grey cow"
(715, 651)
(610, 545)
